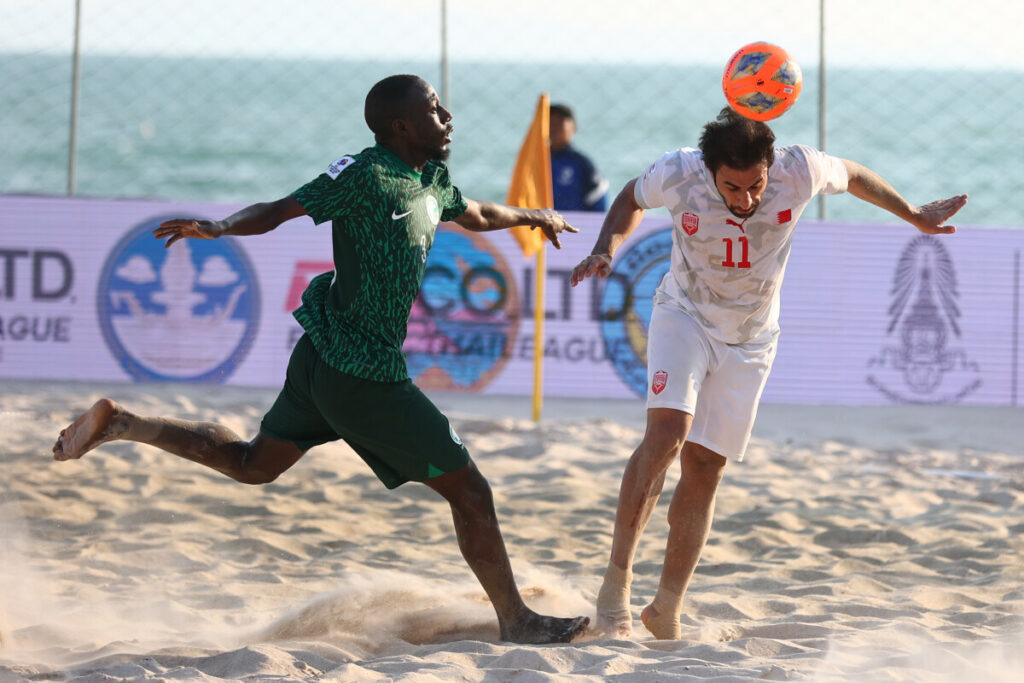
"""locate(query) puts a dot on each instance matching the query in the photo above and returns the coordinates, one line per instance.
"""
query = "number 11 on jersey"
(744, 249)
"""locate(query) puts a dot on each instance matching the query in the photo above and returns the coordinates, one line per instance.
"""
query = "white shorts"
(719, 384)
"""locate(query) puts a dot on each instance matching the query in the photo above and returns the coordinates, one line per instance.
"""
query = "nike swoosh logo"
(395, 215)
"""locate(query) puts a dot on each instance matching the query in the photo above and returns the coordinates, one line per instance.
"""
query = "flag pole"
(531, 189)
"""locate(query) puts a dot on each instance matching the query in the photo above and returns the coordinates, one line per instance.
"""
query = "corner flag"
(531, 189)
(531, 178)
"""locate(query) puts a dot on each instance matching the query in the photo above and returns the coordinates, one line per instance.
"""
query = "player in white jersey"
(714, 326)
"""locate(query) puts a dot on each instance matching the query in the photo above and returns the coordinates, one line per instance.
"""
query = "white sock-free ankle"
(613, 598)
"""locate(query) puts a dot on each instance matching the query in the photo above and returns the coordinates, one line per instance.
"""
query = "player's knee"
(255, 477)
(466, 490)
(665, 434)
(475, 497)
(259, 462)
(703, 461)
(479, 493)
(662, 445)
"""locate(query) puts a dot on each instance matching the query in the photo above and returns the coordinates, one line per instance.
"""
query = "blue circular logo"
(188, 313)
(463, 324)
(626, 303)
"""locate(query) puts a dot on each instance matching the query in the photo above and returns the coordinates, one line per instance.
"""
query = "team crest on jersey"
(659, 382)
(690, 223)
(339, 165)
(433, 210)
(454, 435)
(784, 217)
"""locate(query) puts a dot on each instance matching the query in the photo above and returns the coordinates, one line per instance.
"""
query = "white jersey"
(726, 271)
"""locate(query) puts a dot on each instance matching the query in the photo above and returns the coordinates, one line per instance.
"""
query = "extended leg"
(251, 462)
(689, 516)
(476, 526)
(641, 486)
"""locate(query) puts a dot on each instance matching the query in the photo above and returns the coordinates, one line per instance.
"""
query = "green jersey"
(384, 215)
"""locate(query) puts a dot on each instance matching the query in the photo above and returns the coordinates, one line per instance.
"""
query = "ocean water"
(249, 130)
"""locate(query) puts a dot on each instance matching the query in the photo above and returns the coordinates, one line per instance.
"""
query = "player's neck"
(415, 161)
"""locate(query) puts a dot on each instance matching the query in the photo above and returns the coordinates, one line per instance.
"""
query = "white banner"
(871, 314)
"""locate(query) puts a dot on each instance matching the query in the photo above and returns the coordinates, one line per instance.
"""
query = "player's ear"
(399, 129)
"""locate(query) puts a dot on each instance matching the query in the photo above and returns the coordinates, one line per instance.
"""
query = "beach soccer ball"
(761, 81)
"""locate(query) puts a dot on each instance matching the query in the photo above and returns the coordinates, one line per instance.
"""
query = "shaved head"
(389, 99)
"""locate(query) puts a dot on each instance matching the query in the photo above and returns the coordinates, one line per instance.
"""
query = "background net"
(245, 100)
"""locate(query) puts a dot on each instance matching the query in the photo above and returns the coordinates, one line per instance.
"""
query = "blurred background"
(245, 100)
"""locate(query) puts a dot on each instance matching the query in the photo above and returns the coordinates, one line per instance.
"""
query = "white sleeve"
(827, 173)
(648, 191)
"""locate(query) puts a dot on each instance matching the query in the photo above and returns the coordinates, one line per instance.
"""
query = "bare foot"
(536, 629)
(91, 429)
(663, 626)
(613, 616)
(613, 626)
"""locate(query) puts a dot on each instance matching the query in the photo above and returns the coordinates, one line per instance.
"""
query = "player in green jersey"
(347, 377)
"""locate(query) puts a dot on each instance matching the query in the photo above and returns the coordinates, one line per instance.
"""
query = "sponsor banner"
(876, 314)
(871, 314)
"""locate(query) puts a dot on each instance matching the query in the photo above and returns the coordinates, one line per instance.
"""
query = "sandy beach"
(852, 544)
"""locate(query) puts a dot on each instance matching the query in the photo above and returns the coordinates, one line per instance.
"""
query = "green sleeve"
(326, 199)
(454, 206)
(452, 202)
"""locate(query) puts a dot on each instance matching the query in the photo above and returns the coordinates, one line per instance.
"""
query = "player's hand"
(180, 228)
(598, 265)
(931, 218)
(551, 223)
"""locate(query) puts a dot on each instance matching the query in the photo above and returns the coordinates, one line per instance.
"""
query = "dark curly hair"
(737, 142)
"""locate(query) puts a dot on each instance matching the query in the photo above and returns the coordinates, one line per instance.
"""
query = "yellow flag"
(531, 179)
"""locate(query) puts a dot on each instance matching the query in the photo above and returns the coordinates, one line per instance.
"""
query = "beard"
(439, 151)
(740, 214)
(435, 152)
(439, 154)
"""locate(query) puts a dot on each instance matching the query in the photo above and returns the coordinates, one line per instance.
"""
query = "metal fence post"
(76, 76)
(446, 94)
(821, 94)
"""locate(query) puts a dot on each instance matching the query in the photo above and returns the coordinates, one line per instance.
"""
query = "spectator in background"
(578, 185)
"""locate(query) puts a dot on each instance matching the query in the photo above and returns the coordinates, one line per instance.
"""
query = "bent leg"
(689, 516)
(251, 462)
(476, 526)
(641, 487)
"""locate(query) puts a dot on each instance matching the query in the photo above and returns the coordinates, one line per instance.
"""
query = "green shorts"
(400, 434)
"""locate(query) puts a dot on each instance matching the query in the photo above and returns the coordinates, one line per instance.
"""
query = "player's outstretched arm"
(619, 223)
(254, 219)
(929, 218)
(487, 216)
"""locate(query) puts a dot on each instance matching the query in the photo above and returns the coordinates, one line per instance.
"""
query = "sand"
(852, 544)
